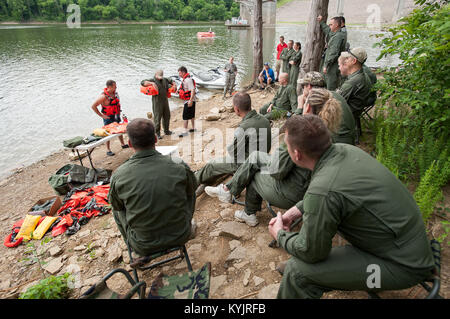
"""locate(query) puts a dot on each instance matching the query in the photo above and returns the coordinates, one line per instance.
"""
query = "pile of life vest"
(116, 128)
(78, 207)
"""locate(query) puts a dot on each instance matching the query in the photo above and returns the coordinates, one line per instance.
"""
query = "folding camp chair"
(190, 285)
(140, 263)
(101, 290)
(435, 278)
(365, 116)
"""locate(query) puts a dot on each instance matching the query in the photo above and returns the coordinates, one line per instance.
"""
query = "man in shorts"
(109, 100)
(187, 93)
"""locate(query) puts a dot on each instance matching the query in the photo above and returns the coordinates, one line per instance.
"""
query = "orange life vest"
(185, 95)
(171, 90)
(114, 104)
(149, 90)
(116, 128)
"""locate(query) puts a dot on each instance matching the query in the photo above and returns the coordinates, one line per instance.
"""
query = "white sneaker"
(242, 216)
(220, 192)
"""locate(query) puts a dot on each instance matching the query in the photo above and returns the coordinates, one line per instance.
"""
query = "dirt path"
(355, 11)
(240, 267)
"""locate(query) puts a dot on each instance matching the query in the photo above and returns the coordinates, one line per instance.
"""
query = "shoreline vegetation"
(409, 134)
(109, 10)
(39, 22)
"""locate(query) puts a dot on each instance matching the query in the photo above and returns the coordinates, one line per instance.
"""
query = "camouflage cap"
(359, 53)
(313, 78)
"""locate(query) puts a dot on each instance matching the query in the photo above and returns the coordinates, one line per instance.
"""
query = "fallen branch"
(249, 295)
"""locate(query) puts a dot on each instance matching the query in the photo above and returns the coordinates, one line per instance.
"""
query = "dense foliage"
(160, 10)
(413, 124)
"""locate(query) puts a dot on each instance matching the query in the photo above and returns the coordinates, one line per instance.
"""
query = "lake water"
(50, 75)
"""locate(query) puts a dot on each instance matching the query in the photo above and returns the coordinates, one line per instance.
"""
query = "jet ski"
(211, 79)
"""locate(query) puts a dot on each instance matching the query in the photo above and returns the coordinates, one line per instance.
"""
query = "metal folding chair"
(141, 263)
(101, 290)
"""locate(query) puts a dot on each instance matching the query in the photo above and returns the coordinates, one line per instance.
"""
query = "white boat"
(211, 79)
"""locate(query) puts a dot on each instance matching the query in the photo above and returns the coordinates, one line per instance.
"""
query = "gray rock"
(258, 280)
(5, 284)
(54, 266)
(239, 253)
(241, 264)
(272, 265)
(216, 282)
(212, 117)
(214, 233)
(246, 277)
(269, 292)
(234, 244)
(115, 253)
(80, 248)
(112, 233)
(99, 252)
(84, 233)
(233, 230)
(55, 251)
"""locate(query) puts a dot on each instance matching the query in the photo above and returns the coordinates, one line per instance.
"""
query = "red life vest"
(114, 104)
(185, 95)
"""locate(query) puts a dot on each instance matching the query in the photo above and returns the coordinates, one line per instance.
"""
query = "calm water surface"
(50, 75)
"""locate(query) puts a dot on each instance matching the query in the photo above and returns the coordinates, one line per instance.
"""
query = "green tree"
(188, 14)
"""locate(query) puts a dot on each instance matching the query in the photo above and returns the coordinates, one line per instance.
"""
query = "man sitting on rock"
(352, 194)
(152, 196)
(252, 134)
(284, 101)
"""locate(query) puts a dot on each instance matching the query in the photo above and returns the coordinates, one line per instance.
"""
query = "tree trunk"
(315, 39)
(257, 40)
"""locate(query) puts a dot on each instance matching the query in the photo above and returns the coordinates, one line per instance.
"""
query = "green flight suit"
(285, 100)
(356, 91)
(347, 129)
(336, 42)
(285, 56)
(274, 178)
(295, 68)
(153, 201)
(352, 194)
(230, 78)
(160, 104)
(252, 134)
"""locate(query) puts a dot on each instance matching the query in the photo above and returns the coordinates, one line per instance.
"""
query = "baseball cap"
(267, 63)
(358, 53)
(314, 78)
